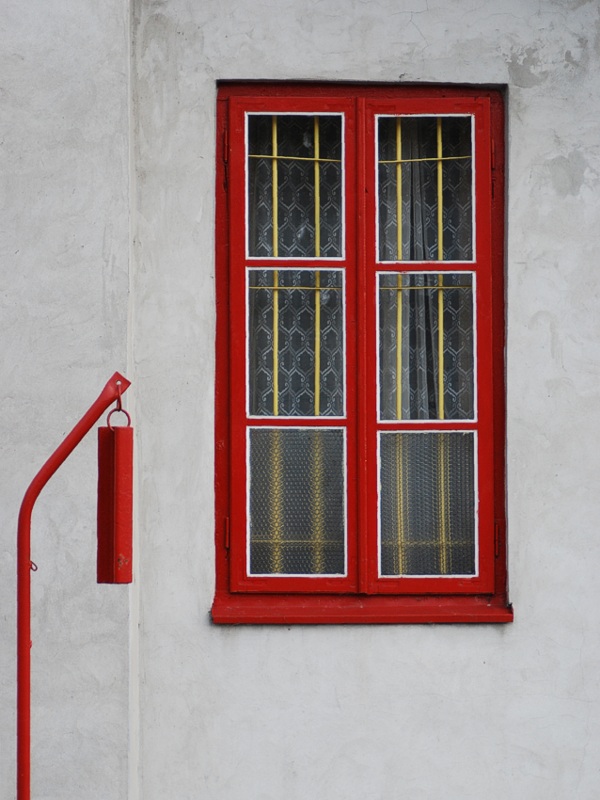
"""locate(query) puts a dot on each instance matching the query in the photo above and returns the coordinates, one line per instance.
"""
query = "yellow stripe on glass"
(401, 499)
(318, 506)
(276, 502)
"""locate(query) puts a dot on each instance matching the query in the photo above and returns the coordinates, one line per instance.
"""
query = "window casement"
(360, 355)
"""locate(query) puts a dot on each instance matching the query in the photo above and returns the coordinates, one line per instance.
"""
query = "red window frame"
(360, 596)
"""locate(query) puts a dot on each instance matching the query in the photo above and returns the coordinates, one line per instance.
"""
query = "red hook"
(119, 407)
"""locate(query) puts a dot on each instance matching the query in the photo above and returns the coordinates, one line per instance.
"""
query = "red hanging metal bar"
(115, 501)
(111, 392)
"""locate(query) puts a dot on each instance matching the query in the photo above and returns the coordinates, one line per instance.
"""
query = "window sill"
(236, 609)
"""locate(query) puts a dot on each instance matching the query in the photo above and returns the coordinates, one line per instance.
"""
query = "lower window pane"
(427, 503)
(297, 502)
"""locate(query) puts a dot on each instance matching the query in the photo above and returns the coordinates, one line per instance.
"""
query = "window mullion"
(365, 377)
(276, 343)
(442, 454)
(440, 226)
(275, 201)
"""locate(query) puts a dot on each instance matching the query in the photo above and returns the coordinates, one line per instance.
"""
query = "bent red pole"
(111, 392)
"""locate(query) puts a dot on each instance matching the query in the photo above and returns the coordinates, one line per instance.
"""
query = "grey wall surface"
(64, 277)
(347, 713)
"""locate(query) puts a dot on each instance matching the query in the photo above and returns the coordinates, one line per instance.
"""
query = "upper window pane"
(425, 208)
(295, 186)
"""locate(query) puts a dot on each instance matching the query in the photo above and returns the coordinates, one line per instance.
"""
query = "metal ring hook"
(118, 409)
(115, 411)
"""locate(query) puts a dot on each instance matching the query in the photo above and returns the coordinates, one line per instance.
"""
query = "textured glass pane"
(423, 160)
(297, 502)
(296, 343)
(260, 207)
(427, 504)
(457, 184)
(295, 186)
(413, 349)
(296, 190)
(330, 175)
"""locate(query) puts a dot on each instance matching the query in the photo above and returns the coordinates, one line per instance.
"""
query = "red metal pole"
(113, 389)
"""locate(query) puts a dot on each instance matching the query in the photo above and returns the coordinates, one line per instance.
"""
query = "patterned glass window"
(297, 502)
(295, 186)
(425, 189)
(359, 399)
(296, 343)
(426, 355)
(427, 509)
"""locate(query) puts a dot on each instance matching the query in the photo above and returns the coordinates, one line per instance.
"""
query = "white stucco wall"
(347, 713)
(64, 275)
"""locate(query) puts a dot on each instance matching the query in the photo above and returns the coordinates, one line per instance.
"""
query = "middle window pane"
(296, 343)
(426, 352)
